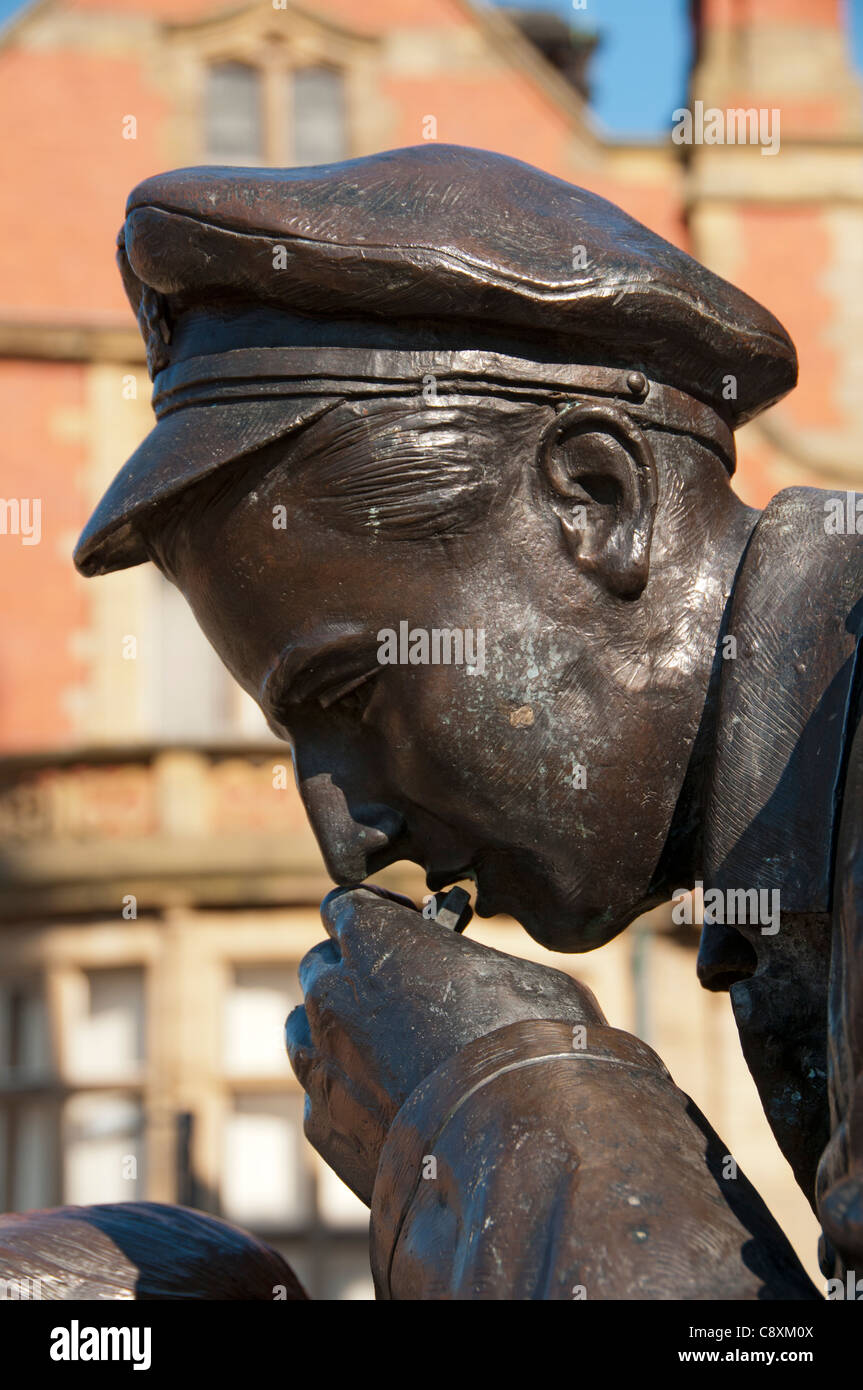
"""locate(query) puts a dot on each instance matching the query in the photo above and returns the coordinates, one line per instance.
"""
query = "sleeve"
(542, 1162)
(840, 1172)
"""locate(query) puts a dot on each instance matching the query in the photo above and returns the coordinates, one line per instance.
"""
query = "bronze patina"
(480, 400)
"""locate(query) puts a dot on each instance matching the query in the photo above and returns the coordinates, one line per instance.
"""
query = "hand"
(389, 998)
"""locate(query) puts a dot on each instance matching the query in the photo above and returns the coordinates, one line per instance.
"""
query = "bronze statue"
(436, 394)
(146, 1251)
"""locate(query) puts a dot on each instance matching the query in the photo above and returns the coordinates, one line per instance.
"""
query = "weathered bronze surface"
(437, 390)
(138, 1250)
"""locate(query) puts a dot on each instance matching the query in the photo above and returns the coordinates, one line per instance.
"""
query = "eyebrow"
(303, 668)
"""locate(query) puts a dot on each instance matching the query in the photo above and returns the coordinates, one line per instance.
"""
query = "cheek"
(466, 749)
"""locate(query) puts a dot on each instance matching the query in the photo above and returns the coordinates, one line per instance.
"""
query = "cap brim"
(184, 447)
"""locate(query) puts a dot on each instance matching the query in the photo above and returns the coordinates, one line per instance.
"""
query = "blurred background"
(158, 880)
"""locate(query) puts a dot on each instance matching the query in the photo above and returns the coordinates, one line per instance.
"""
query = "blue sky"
(639, 72)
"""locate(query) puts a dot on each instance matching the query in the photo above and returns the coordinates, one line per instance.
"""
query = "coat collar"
(786, 706)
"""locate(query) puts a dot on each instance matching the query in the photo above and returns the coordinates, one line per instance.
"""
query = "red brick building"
(123, 782)
(94, 97)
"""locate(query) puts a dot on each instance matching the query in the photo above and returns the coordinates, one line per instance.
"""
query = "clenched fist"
(388, 998)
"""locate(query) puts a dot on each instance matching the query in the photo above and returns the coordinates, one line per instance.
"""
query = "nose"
(352, 839)
(724, 958)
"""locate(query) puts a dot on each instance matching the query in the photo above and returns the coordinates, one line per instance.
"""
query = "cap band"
(246, 374)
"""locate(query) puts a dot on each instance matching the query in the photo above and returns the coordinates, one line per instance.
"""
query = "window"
(337, 1205)
(103, 1120)
(24, 1043)
(234, 132)
(31, 1147)
(266, 1182)
(28, 1151)
(191, 701)
(271, 1181)
(192, 697)
(103, 1137)
(275, 115)
(106, 1034)
(100, 1158)
(318, 116)
(257, 1002)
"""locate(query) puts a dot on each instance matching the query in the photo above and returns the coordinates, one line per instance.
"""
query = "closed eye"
(324, 674)
(353, 695)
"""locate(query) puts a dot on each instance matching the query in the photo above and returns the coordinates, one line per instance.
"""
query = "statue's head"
(443, 469)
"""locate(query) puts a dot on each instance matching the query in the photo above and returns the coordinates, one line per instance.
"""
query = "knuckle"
(321, 958)
(337, 900)
(340, 911)
(297, 1028)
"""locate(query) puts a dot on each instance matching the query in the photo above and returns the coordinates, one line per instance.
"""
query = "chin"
(572, 939)
(569, 927)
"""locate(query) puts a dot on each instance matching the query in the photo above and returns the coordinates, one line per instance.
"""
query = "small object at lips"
(453, 909)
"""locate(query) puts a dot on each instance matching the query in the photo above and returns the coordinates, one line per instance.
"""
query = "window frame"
(276, 69)
(259, 94)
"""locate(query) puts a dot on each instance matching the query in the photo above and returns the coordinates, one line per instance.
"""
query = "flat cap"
(264, 295)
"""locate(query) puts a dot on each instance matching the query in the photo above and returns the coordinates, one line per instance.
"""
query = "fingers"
(316, 963)
(311, 1069)
(351, 915)
(298, 1043)
(335, 974)
(386, 893)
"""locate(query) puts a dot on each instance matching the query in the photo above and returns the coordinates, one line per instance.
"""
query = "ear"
(602, 476)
